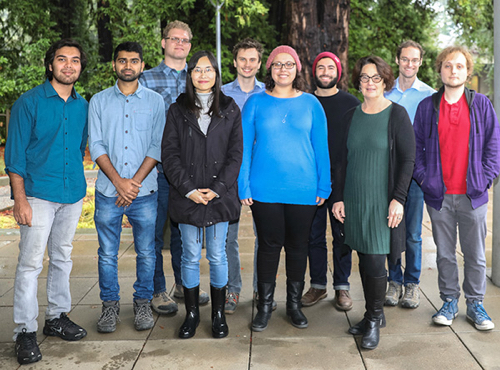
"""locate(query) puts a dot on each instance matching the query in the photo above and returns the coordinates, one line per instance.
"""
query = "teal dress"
(366, 187)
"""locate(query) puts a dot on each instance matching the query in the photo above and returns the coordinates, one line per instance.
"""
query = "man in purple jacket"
(456, 162)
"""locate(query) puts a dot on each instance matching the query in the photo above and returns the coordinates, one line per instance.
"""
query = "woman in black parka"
(202, 149)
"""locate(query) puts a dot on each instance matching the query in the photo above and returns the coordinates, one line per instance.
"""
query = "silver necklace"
(279, 112)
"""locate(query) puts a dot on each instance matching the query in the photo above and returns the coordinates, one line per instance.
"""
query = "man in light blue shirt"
(247, 56)
(409, 91)
(126, 123)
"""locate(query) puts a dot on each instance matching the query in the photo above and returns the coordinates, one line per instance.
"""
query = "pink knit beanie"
(284, 49)
(327, 54)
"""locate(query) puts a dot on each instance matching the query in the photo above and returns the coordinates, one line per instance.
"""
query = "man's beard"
(320, 84)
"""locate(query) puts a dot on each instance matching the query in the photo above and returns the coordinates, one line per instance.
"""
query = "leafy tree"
(379, 27)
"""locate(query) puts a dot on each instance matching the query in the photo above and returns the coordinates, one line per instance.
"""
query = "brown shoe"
(313, 296)
(343, 300)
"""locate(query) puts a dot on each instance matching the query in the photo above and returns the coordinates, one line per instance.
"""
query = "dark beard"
(329, 86)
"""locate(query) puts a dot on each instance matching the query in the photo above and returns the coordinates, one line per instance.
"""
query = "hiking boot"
(143, 319)
(313, 296)
(394, 294)
(27, 350)
(343, 300)
(477, 315)
(232, 300)
(202, 300)
(447, 313)
(411, 299)
(162, 303)
(109, 317)
(64, 328)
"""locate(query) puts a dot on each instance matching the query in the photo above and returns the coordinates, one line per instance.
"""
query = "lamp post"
(218, 5)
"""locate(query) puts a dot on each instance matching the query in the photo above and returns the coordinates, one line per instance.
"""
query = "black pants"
(372, 265)
(281, 225)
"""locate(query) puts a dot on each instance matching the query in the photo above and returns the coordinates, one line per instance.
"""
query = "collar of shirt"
(167, 70)
(258, 86)
(417, 85)
(137, 92)
(50, 91)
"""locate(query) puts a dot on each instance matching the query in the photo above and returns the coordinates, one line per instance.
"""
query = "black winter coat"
(192, 160)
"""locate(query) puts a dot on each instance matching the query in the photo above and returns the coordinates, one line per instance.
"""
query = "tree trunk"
(103, 33)
(316, 26)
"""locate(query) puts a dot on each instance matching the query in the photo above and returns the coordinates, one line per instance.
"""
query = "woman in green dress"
(373, 170)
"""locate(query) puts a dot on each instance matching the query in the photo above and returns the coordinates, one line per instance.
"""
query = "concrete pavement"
(410, 340)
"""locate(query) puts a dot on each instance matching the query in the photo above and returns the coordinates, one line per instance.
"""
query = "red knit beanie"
(327, 54)
(284, 49)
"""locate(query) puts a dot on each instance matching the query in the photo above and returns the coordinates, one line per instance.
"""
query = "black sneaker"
(64, 328)
(27, 350)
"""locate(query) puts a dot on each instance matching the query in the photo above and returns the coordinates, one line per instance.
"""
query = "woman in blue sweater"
(284, 176)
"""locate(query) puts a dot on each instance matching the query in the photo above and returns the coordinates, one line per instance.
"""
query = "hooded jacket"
(192, 160)
(484, 160)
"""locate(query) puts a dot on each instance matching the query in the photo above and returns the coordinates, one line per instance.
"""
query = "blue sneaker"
(477, 315)
(447, 313)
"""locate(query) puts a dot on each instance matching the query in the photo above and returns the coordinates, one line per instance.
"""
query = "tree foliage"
(378, 27)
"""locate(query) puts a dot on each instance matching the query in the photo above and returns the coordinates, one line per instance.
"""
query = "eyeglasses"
(178, 40)
(414, 61)
(375, 78)
(279, 65)
(208, 71)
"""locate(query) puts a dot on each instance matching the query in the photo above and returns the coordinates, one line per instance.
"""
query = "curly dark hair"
(383, 69)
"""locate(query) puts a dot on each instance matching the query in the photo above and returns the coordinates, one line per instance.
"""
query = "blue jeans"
(233, 259)
(53, 228)
(414, 209)
(318, 252)
(175, 238)
(192, 240)
(108, 223)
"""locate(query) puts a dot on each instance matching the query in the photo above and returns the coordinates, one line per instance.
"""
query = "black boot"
(219, 325)
(375, 297)
(264, 307)
(294, 291)
(188, 328)
(359, 328)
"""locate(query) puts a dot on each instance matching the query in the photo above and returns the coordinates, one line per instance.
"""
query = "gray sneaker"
(394, 294)
(143, 315)
(109, 317)
(162, 303)
(411, 299)
(232, 300)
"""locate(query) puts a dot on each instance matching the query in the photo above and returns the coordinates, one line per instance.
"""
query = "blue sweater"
(284, 162)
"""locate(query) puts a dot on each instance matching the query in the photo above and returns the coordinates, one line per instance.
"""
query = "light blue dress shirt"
(46, 144)
(233, 90)
(411, 98)
(128, 129)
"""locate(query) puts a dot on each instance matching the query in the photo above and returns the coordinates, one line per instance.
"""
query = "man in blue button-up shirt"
(126, 124)
(44, 160)
(247, 57)
(409, 91)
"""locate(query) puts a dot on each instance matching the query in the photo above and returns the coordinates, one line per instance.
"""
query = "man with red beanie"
(327, 71)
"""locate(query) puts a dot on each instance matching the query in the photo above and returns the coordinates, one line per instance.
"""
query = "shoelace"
(447, 308)
(109, 314)
(231, 297)
(142, 312)
(480, 312)
(27, 340)
(166, 297)
(65, 323)
(411, 292)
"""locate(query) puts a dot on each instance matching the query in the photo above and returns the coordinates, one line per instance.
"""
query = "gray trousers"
(457, 211)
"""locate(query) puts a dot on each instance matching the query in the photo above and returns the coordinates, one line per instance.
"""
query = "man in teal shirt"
(44, 160)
